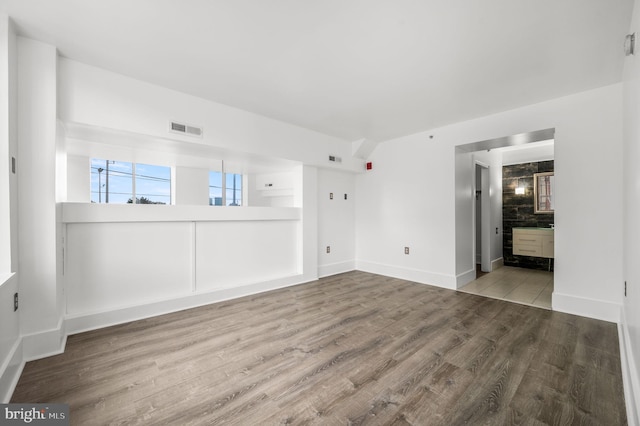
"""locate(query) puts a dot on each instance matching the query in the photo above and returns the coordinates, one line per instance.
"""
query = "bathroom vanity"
(536, 242)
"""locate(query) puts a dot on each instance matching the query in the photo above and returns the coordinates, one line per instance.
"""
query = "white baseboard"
(630, 373)
(409, 274)
(44, 343)
(597, 309)
(85, 322)
(465, 278)
(27, 348)
(336, 268)
(497, 263)
(11, 371)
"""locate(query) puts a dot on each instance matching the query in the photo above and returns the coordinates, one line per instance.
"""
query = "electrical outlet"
(15, 302)
(496, 231)
(328, 249)
(345, 196)
(406, 250)
(331, 195)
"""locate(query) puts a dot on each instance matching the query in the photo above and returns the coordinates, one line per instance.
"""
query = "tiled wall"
(517, 211)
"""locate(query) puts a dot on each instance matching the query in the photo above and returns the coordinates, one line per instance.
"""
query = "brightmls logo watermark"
(34, 414)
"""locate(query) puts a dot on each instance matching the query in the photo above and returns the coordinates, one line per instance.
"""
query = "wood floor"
(355, 348)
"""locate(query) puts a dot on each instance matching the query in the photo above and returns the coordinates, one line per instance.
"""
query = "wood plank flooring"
(355, 348)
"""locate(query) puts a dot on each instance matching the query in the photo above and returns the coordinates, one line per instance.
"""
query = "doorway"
(479, 218)
(483, 217)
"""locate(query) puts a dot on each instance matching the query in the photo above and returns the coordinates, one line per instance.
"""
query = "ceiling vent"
(185, 129)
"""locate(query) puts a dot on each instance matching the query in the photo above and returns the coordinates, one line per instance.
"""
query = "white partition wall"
(229, 254)
(116, 265)
(125, 262)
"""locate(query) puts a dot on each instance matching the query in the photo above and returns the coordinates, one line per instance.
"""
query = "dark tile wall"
(517, 211)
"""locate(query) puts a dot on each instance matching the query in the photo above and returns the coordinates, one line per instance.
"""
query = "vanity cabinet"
(536, 242)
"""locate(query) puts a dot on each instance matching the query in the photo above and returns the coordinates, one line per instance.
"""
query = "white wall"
(336, 222)
(191, 186)
(406, 200)
(464, 229)
(410, 199)
(99, 98)
(36, 185)
(10, 347)
(535, 152)
(7, 48)
(631, 314)
(116, 265)
(305, 181)
(271, 189)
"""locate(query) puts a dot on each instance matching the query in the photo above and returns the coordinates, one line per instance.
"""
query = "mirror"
(543, 192)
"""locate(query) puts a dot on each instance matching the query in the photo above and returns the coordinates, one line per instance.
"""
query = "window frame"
(133, 176)
(224, 188)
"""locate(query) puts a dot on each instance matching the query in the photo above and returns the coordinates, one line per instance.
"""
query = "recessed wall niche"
(518, 210)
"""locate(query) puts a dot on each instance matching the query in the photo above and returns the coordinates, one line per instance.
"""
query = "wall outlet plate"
(406, 250)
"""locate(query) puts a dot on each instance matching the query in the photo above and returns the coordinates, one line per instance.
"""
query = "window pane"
(153, 184)
(111, 181)
(215, 188)
(234, 189)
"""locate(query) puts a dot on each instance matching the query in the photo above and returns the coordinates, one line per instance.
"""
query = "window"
(215, 188)
(111, 181)
(153, 184)
(234, 189)
(118, 182)
(232, 194)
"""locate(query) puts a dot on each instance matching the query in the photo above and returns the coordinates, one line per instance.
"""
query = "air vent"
(185, 129)
(196, 131)
(335, 159)
(177, 127)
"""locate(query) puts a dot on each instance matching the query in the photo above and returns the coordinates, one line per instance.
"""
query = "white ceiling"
(374, 69)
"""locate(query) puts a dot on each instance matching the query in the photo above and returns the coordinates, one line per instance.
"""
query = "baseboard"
(409, 274)
(465, 278)
(44, 343)
(497, 263)
(92, 321)
(11, 371)
(27, 348)
(582, 306)
(630, 373)
(336, 268)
